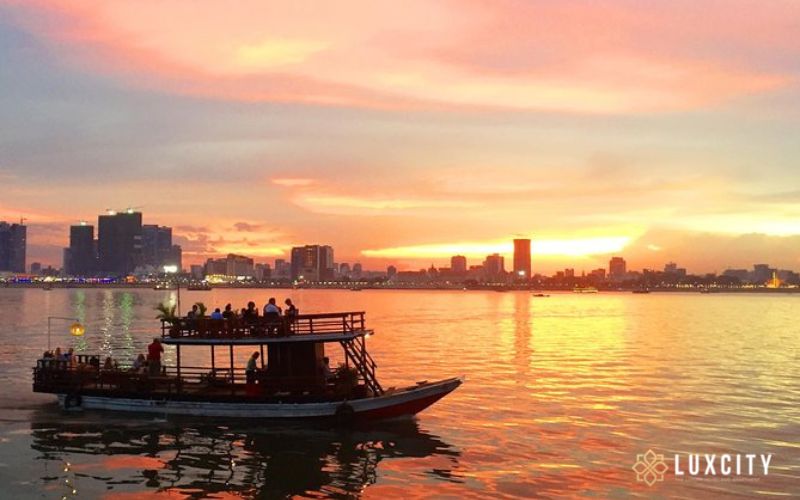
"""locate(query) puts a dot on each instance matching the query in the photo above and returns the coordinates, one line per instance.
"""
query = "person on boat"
(228, 312)
(325, 369)
(251, 313)
(252, 368)
(94, 362)
(69, 355)
(272, 314)
(154, 351)
(57, 354)
(193, 313)
(110, 364)
(217, 314)
(290, 314)
(139, 364)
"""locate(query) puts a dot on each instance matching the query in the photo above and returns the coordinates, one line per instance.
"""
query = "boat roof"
(323, 327)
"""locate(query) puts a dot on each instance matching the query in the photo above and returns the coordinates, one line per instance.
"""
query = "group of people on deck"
(276, 318)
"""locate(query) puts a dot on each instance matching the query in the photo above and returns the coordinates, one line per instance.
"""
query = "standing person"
(154, 351)
(272, 315)
(251, 368)
(290, 314)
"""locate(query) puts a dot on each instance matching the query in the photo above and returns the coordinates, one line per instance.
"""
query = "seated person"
(217, 314)
(140, 364)
(252, 368)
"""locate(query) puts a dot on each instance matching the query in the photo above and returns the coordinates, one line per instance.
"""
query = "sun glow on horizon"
(578, 247)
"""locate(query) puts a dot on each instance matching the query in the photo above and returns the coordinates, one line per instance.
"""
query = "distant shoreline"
(137, 286)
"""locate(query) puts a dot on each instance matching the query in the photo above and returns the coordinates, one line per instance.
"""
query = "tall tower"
(522, 259)
(119, 242)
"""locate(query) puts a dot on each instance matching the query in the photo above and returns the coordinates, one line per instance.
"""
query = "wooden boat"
(293, 385)
(199, 287)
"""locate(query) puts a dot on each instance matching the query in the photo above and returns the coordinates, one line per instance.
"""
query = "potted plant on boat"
(346, 380)
(202, 319)
(166, 313)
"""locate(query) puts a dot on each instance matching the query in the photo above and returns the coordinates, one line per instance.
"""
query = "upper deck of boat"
(324, 327)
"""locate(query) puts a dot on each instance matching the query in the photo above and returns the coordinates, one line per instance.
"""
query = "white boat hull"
(392, 404)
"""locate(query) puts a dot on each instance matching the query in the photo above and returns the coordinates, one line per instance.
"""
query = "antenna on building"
(22, 220)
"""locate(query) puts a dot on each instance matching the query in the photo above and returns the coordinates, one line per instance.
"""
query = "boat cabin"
(291, 363)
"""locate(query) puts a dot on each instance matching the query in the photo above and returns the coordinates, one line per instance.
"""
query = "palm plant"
(166, 313)
(201, 309)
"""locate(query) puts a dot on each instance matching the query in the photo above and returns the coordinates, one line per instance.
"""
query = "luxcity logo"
(650, 467)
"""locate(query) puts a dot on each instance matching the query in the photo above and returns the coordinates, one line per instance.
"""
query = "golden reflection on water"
(561, 394)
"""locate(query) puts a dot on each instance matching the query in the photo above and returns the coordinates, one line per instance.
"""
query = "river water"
(561, 395)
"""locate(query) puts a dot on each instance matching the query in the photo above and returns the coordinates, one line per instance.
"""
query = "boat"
(356, 289)
(541, 295)
(584, 289)
(163, 286)
(640, 290)
(198, 287)
(294, 385)
(47, 287)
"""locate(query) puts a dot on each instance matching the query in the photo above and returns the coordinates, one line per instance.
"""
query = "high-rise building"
(358, 270)
(494, 267)
(239, 266)
(458, 265)
(522, 258)
(36, 268)
(119, 242)
(283, 270)
(13, 245)
(617, 268)
(762, 273)
(157, 245)
(312, 263)
(391, 272)
(81, 259)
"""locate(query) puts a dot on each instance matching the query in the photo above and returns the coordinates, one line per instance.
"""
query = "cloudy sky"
(407, 131)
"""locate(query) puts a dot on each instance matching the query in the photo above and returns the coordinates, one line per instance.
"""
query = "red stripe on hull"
(399, 410)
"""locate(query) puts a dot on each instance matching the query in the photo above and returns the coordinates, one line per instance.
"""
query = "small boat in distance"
(541, 295)
(163, 286)
(641, 290)
(584, 289)
(293, 382)
(198, 287)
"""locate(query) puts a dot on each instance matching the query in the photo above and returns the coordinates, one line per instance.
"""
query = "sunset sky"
(405, 132)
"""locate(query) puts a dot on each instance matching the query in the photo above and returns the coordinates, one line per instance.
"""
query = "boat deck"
(326, 327)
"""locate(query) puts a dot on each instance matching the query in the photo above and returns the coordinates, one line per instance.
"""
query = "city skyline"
(254, 129)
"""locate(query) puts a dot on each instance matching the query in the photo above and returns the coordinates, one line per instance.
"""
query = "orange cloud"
(470, 55)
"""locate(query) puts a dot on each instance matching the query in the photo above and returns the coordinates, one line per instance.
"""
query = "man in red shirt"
(154, 351)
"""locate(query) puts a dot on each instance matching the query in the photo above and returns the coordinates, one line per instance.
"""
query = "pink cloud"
(606, 57)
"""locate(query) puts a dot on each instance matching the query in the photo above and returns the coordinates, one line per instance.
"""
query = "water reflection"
(256, 461)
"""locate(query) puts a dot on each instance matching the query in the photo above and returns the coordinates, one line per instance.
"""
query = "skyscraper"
(522, 258)
(312, 263)
(119, 242)
(13, 245)
(458, 265)
(494, 267)
(617, 267)
(82, 260)
(156, 245)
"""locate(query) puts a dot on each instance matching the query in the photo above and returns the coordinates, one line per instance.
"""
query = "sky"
(406, 132)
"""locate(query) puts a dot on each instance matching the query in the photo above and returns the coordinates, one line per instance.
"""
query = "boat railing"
(264, 326)
(60, 376)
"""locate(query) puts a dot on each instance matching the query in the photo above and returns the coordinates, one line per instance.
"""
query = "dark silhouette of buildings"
(312, 263)
(494, 267)
(617, 268)
(80, 258)
(458, 265)
(119, 242)
(522, 259)
(13, 245)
